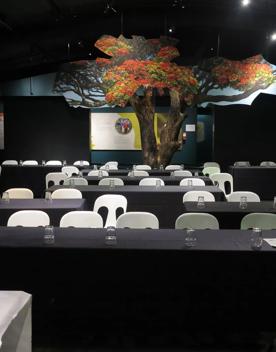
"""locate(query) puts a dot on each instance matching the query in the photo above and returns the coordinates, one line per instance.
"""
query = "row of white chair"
(137, 220)
(49, 162)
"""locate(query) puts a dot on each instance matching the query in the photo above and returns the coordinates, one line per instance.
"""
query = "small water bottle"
(95, 167)
(20, 162)
(100, 174)
(64, 162)
(43, 162)
(131, 174)
(49, 235)
(256, 239)
(190, 239)
(196, 173)
(111, 236)
(158, 183)
(161, 167)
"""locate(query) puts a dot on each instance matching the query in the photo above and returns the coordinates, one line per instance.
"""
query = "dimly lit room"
(137, 175)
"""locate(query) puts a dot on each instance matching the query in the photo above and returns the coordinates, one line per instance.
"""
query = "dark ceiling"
(38, 35)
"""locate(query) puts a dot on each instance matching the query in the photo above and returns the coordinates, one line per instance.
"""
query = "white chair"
(54, 162)
(198, 221)
(64, 193)
(82, 218)
(29, 218)
(192, 196)
(236, 197)
(75, 181)
(138, 173)
(20, 193)
(182, 173)
(108, 167)
(10, 162)
(264, 221)
(70, 170)
(195, 182)
(267, 163)
(151, 181)
(107, 181)
(57, 178)
(137, 220)
(209, 170)
(221, 178)
(29, 162)
(81, 163)
(143, 167)
(242, 163)
(173, 167)
(112, 163)
(112, 202)
(96, 173)
(211, 163)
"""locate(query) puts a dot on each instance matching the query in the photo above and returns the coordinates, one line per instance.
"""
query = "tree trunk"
(144, 109)
(169, 132)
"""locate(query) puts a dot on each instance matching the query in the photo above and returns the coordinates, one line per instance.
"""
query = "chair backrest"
(198, 221)
(96, 173)
(108, 167)
(151, 181)
(143, 167)
(267, 163)
(56, 177)
(53, 162)
(211, 163)
(242, 163)
(81, 219)
(236, 197)
(30, 162)
(138, 173)
(107, 181)
(20, 193)
(209, 170)
(70, 170)
(181, 173)
(81, 163)
(221, 178)
(173, 167)
(192, 196)
(112, 163)
(112, 202)
(70, 193)
(75, 181)
(138, 220)
(29, 218)
(195, 181)
(264, 221)
(10, 162)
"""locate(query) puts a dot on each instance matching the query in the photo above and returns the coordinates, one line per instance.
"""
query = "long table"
(229, 214)
(55, 208)
(165, 202)
(129, 180)
(258, 179)
(196, 171)
(147, 284)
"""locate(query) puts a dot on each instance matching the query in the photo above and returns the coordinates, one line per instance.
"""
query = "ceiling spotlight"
(245, 2)
(109, 7)
(273, 36)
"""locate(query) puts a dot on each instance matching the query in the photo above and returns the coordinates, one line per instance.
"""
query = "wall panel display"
(120, 130)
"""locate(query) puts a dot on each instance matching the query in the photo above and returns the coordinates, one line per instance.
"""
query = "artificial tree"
(139, 69)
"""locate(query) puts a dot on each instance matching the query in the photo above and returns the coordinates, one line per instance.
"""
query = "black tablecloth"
(165, 202)
(148, 284)
(258, 179)
(55, 208)
(229, 214)
(128, 180)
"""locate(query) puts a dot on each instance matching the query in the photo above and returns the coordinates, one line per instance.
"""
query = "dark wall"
(44, 128)
(246, 132)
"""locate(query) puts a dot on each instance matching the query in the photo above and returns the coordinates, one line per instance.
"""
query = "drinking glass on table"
(190, 239)
(20, 162)
(161, 167)
(6, 197)
(158, 183)
(43, 162)
(243, 202)
(100, 173)
(64, 162)
(49, 234)
(200, 202)
(256, 239)
(48, 196)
